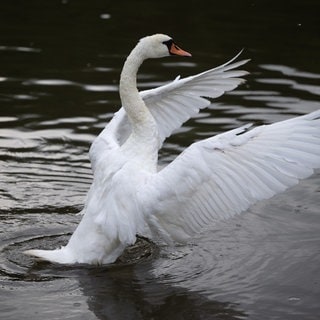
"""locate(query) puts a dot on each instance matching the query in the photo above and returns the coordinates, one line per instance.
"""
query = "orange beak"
(175, 50)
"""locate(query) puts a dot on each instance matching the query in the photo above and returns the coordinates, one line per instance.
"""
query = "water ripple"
(20, 49)
(63, 82)
(45, 175)
(289, 71)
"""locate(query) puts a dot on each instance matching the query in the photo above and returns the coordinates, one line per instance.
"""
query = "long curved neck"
(138, 114)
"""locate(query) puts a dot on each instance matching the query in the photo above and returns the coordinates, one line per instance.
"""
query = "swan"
(211, 180)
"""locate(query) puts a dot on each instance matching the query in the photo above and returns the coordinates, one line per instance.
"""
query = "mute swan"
(212, 179)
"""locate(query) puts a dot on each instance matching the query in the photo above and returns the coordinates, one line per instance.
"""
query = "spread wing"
(172, 104)
(222, 176)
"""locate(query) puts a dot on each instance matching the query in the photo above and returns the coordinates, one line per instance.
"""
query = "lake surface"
(60, 63)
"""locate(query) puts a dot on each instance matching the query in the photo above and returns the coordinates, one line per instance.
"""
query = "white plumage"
(211, 180)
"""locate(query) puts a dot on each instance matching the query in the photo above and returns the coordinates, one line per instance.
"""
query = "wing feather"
(219, 177)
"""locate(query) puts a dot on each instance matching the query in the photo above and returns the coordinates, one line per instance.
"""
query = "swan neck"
(132, 102)
(128, 79)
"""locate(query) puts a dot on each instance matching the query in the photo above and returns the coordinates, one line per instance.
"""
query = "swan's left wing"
(221, 176)
(173, 104)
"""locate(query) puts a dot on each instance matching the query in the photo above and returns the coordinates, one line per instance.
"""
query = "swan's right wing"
(222, 176)
(173, 104)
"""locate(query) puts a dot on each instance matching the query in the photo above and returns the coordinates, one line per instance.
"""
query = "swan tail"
(56, 256)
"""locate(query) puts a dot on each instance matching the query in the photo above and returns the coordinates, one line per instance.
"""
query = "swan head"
(160, 45)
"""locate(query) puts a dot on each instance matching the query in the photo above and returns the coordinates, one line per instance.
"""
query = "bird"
(211, 180)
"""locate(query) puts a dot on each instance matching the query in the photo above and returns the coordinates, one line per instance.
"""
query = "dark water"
(59, 68)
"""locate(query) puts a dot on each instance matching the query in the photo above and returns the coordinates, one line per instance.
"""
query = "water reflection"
(131, 292)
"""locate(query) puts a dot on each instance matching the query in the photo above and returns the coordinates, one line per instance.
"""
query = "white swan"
(212, 179)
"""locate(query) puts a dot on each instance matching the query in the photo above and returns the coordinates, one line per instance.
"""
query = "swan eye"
(168, 43)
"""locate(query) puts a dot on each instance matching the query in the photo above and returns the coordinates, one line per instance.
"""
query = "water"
(60, 64)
